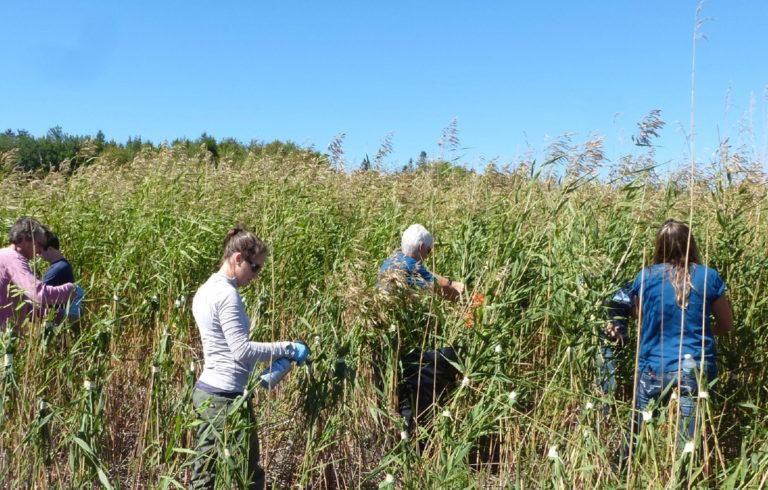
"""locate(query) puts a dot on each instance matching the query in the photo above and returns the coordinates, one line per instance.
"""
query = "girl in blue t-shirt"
(674, 299)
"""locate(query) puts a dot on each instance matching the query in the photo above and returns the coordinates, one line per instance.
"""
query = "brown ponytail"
(239, 239)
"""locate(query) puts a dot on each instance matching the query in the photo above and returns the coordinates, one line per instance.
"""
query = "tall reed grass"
(108, 401)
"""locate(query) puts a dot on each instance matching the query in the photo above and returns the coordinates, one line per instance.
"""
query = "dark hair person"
(674, 299)
(230, 356)
(18, 282)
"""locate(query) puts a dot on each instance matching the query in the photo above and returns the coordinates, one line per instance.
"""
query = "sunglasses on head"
(255, 267)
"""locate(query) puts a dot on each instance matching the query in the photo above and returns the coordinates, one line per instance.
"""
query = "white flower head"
(585, 433)
(589, 406)
(647, 415)
(115, 298)
(465, 382)
(390, 478)
(703, 395)
(552, 454)
(393, 328)
(447, 414)
(512, 396)
(317, 339)
(688, 447)
(404, 435)
(177, 304)
(498, 349)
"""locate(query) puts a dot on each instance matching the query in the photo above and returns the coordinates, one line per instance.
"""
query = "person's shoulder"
(397, 260)
(60, 264)
(703, 271)
(217, 289)
(11, 259)
(9, 253)
(646, 274)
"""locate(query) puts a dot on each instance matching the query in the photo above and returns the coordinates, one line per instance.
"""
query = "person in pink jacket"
(18, 283)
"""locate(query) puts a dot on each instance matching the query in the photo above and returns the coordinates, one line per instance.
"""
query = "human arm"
(447, 288)
(32, 289)
(721, 310)
(235, 326)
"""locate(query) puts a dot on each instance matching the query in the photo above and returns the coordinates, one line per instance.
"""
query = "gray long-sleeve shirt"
(224, 326)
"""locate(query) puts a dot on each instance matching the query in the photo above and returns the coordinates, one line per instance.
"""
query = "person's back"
(663, 318)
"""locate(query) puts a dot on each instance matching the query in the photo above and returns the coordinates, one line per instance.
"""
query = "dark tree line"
(60, 151)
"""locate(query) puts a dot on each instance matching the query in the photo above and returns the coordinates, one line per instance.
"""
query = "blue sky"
(514, 74)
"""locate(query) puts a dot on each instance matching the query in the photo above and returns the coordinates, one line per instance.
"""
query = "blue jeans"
(651, 386)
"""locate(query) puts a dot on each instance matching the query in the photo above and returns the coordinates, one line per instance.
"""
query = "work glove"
(300, 352)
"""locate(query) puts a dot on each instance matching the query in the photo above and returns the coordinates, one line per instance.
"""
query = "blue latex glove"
(300, 353)
(74, 307)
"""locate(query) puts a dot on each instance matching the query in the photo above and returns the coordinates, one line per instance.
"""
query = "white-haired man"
(415, 246)
(425, 374)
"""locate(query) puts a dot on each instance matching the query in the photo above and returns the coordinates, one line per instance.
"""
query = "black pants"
(425, 376)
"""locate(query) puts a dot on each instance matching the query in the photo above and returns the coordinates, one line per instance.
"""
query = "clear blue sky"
(515, 74)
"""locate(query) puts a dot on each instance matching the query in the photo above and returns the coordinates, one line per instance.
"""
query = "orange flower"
(476, 300)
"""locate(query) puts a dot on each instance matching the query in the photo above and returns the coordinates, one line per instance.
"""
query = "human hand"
(458, 286)
(612, 330)
(300, 352)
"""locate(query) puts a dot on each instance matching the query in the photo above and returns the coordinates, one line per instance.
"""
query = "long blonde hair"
(676, 246)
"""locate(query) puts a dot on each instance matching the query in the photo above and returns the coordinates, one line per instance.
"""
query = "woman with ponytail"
(674, 299)
(230, 357)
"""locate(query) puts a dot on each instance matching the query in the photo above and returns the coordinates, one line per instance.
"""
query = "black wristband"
(450, 282)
